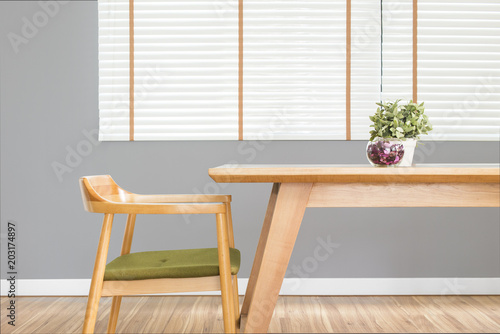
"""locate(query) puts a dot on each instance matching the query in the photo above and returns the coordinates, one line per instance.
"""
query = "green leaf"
(405, 120)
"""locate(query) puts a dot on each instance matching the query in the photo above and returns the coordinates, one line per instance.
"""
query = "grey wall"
(49, 98)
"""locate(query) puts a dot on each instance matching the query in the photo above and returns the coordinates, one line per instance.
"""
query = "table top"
(422, 173)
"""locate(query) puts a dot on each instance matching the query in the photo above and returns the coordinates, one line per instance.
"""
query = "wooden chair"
(209, 269)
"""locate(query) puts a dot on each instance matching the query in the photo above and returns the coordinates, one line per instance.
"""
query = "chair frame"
(102, 195)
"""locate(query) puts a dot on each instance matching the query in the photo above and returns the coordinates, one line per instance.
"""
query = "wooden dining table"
(297, 187)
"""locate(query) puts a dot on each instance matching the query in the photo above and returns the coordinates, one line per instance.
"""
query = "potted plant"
(396, 127)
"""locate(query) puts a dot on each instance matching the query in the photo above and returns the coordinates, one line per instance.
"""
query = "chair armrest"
(138, 198)
(156, 208)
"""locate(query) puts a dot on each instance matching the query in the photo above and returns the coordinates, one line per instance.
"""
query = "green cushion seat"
(169, 264)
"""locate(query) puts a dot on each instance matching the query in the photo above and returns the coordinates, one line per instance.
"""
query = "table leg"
(283, 218)
(260, 250)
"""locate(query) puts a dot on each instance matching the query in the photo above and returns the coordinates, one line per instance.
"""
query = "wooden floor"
(174, 314)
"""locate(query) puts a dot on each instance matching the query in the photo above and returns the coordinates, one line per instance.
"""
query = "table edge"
(285, 174)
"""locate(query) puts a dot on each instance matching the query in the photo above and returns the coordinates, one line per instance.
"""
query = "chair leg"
(225, 274)
(236, 302)
(113, 314)
(117, 300)
(228, 306)
(129, 233)
(230, 234)
(126, 245)
(91, 311)
(98, 275)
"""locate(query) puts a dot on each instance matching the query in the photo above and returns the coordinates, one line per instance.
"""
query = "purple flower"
(385, 152)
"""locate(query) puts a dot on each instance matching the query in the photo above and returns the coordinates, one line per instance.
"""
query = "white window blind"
(397, 33)
(459, 67)
(113, 70)
(190, 80)
(185, 70)
(365, 65)
(458, 64)
(294, 69)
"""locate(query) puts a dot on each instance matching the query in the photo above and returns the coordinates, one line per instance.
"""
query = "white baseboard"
(295, 286)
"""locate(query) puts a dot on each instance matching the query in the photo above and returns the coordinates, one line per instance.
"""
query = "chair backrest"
(100, 189)
(101, 194)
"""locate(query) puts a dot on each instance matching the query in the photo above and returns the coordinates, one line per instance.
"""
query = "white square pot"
(409, 145)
